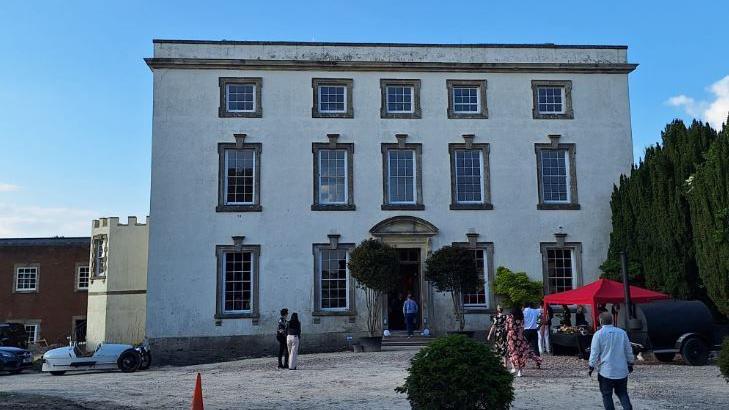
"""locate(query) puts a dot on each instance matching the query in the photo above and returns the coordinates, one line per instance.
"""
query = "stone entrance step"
(401, 339)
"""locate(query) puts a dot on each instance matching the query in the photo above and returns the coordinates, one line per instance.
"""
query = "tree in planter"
(515, 288)
(453, 269)
(376, 267)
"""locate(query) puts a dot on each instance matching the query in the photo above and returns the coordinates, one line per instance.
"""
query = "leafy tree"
(455, 372)
(376, 268)
(515, 288)
(708, 194)
(453, 269)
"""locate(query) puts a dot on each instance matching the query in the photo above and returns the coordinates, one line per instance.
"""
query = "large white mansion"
(271, 160)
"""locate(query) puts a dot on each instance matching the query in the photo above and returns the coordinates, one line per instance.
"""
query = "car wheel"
(695, 352)
(664, 357)
(129, 361)
(146, 361)
(58, 373)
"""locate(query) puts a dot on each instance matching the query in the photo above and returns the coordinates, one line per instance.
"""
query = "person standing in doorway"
(612, 354)
(531, 326)
(410, 309)
(283, 352)
(293, 336)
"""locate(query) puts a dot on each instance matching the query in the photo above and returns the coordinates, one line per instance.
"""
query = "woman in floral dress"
(519, 348)
(498, 332)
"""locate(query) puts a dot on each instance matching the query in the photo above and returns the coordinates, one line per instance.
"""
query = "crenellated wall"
(118, 290)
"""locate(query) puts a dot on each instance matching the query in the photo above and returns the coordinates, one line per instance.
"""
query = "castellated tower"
(118, 281)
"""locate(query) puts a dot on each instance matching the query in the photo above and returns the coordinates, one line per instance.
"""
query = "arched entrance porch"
(412, 237)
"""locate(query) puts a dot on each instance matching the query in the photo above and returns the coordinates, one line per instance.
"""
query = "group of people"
(288, 335)
(524, 335)
(516, 337)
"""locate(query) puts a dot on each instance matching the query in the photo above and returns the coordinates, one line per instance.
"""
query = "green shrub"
(515, 288)
(455, 372)
(724, 359)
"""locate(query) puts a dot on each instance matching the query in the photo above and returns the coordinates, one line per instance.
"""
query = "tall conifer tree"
(651, 216)
(708, 194)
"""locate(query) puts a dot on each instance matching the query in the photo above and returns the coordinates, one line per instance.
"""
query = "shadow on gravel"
(33, 401)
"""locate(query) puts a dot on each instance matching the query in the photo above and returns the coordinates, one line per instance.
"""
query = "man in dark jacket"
(281, 338)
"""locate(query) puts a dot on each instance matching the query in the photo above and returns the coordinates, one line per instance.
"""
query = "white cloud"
(36, 221)
(8, 187)
(713, 111)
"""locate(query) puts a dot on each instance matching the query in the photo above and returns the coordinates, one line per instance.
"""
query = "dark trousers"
(532, 336)
(620, 386)
(283, 351)
(410, 323)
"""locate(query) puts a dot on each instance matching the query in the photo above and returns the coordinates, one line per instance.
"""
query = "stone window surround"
(418, 148)
(571, 153)
(255, 275)
(485, 151)
(257, 82)
(481, 84)
(15, 277)
(31, 322)
(415, 84)
(333, 144)
(77, 276)
(347, 83)
(568, 111)
(576, 248)
(351, 308)
(488, 248)
(103, 269)
(256, 206)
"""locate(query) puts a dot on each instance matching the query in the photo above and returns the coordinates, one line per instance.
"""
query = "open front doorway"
(409, 283)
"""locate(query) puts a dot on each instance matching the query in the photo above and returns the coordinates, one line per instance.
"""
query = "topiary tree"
(376, 268)
(515, 288)
(723, 361)
(453, 269)
(456, 372)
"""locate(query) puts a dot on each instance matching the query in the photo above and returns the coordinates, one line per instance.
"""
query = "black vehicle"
(668, 327)
(13, 334)
(15, 360)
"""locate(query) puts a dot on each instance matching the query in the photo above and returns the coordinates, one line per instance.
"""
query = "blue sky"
(76, 97)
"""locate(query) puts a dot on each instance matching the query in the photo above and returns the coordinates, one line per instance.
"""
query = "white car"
(107, 356)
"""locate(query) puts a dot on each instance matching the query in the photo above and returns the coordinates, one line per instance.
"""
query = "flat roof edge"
(49, 241)
(356, 44)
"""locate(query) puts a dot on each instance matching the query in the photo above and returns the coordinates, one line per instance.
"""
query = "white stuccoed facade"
(182, 277)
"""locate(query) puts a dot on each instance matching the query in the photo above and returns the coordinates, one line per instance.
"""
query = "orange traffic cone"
(197, 400)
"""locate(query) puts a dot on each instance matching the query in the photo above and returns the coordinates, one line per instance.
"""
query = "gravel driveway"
(347, 381)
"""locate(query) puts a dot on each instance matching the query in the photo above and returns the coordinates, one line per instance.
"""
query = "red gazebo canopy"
(600, 292)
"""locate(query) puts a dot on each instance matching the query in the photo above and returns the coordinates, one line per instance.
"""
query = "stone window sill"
(558, 207)
(238, 208)
(320, 207)
(403, 207)
(485, 206)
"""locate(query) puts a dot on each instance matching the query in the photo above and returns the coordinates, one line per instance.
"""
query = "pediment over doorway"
(404, 225)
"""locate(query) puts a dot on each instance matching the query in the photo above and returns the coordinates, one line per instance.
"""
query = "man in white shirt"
(531, 326)
(612, 354)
